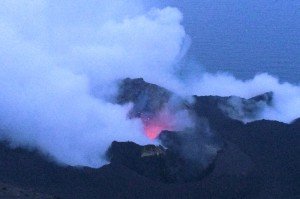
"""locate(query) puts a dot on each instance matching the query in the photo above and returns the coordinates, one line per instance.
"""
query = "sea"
(244, 38)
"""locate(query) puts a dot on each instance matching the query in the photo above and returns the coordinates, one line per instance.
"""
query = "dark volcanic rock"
(194, 146)
(255, 160)
(147, 98)
(8, 191)
(233, 107)
(265, 98)
(259, 160)
(246, 109)
(296, 124)
(29, 170)
(157, 163)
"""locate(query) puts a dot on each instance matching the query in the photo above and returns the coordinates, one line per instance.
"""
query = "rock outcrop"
(220, 157)
(157, 163)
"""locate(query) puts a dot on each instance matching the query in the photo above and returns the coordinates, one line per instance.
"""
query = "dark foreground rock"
(12, 192)
(255, 160)
(158, 163)
(259, 160)
(29, 170)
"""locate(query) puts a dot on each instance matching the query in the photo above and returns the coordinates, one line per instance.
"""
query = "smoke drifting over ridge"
(286, 97)
(60, 62)
(48, 70)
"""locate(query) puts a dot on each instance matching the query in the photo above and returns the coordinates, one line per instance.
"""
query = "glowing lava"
(155, 124)
(153, 130)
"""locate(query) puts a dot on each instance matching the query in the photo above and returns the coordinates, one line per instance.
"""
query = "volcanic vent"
(154, 105)
(190, 148)
(163, 114)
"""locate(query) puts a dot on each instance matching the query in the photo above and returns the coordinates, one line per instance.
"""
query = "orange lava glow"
(154, 125)
(153, 130)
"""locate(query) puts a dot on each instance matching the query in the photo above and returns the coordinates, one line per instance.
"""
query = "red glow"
(153, 130)
(154, 125)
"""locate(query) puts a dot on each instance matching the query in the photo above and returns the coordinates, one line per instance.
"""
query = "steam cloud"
(59, 61)
(286, 100)
(50, 65)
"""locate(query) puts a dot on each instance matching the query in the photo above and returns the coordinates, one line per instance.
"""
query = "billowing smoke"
(285, 105)
(60, 61)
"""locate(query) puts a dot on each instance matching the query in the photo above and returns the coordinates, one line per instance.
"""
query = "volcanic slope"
(256, 160)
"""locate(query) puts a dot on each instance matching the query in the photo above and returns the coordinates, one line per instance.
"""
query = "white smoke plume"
(59, 61)
(286, 100)
(53, 54)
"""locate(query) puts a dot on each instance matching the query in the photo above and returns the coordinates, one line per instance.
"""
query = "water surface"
(245, 37)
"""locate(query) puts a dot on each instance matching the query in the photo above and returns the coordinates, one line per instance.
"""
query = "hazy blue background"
(244, 37)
